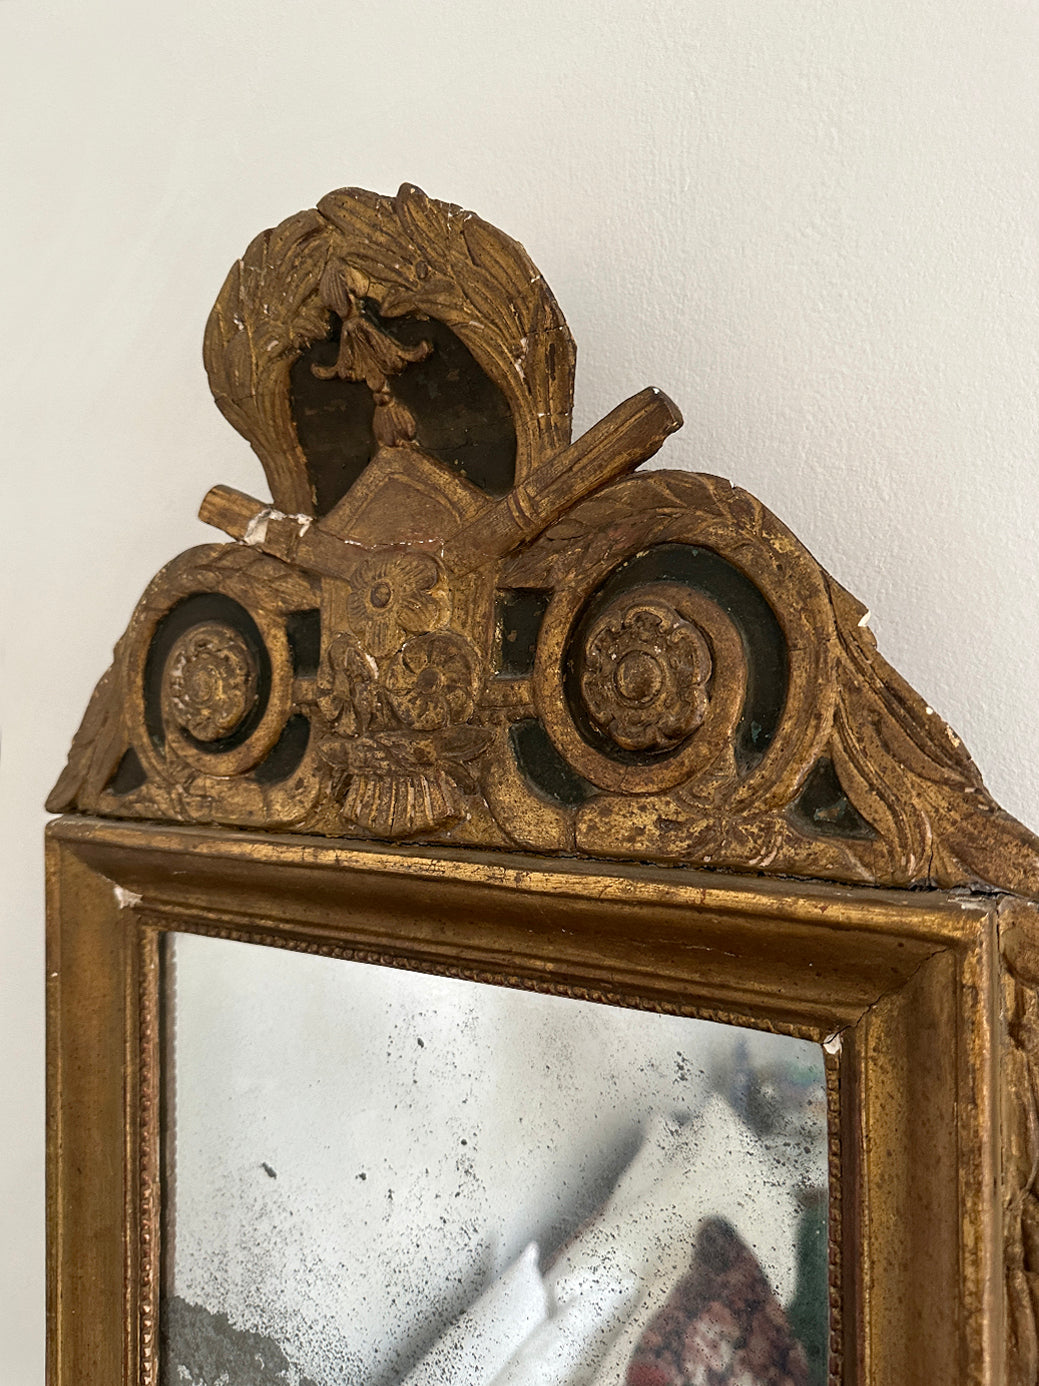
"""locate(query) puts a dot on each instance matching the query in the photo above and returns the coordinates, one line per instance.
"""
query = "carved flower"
(645, 674)
(393, 595)
(397, 746)
(209, 684)
(431, 682)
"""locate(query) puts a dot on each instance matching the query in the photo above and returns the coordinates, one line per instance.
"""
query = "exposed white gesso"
(811, 223)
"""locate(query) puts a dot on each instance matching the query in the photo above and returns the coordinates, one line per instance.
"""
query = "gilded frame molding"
(904, 990)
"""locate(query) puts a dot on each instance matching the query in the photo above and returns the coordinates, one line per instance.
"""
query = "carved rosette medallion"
(209, 683)
(654, 682)
(645, 674)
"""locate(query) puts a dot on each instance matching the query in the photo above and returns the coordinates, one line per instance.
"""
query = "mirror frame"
(901, 988)
(395, 651)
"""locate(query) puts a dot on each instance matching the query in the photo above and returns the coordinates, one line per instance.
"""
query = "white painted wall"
(813, 224)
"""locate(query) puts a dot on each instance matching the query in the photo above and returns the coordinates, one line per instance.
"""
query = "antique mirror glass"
(382, 1176)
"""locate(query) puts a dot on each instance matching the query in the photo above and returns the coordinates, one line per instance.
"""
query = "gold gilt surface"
(623, 715)
(638, 685)
(901, 988)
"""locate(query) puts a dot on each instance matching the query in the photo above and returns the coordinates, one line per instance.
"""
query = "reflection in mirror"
(378, 1177)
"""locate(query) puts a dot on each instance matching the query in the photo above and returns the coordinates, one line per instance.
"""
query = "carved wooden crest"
(453, 624)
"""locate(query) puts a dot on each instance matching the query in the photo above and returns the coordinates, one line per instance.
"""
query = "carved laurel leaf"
(462, 743)
(679, 827)
(434, 257)
(911, 777)
(418, 256)
(97, 746)
(267, 310)
(604, 523)
(284, 588)
(575, 542)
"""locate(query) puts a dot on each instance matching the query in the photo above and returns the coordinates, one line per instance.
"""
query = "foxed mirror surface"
(378, 1177)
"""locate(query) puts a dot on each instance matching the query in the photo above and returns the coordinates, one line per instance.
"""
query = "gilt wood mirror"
(508, 923)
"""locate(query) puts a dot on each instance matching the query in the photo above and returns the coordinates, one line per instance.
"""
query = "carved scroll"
(451, 624)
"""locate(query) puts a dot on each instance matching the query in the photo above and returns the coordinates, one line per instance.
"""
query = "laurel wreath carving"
(419, 256)
(97, 747)
(414, 737)
(900, 766)
(267, 312)
(602, 524)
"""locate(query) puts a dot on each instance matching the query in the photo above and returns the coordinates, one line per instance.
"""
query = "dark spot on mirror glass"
(197, 1345)
(807, 1313)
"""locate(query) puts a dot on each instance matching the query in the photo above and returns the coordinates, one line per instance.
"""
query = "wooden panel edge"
(92, 1217)
(922, 1208)
(935, 916)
